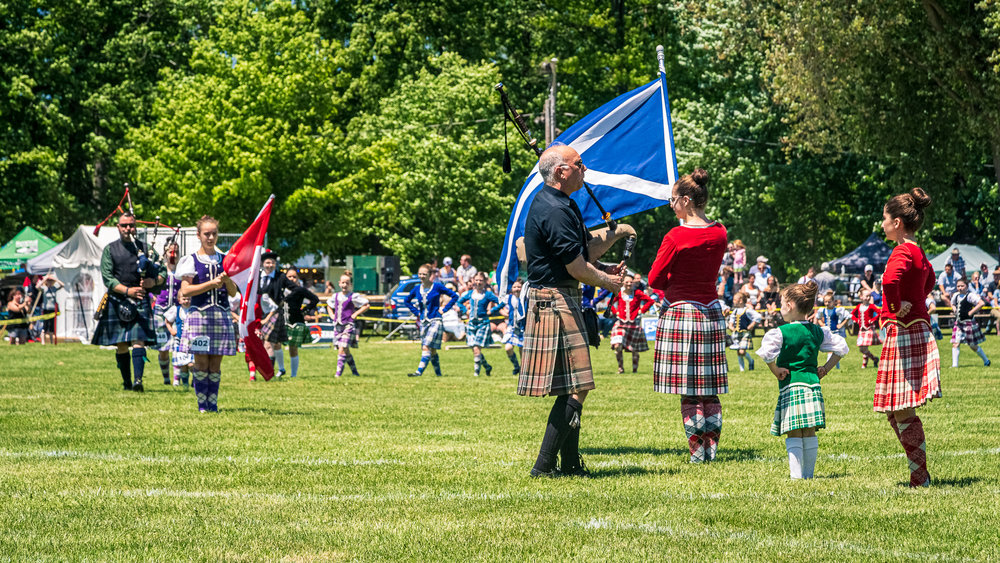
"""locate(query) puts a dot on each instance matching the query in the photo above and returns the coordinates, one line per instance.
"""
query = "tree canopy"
(376, 126)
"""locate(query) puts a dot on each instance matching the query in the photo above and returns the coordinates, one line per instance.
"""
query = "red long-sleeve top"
(908, 276)
(866, 320)
(629, 310)
(687, 264)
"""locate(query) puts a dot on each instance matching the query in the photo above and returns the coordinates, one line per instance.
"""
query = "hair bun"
(811, 290)
(700, 176)
(920, 198)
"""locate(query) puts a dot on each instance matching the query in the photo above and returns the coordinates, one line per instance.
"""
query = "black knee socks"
(569, 453)
(563, 426)
(125, 367)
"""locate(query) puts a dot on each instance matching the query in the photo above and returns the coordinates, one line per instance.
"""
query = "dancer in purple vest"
(208, 334)
(345, 307)
(166, 301)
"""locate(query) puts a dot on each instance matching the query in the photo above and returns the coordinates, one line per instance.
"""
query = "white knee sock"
(810, 450)
(954, 357)
(794, 447)
(279, 357)
(295, 366)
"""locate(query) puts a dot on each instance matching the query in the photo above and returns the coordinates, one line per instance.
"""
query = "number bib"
(162, 336)
(200, 345)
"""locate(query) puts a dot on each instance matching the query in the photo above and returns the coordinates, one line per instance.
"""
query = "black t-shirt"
(293, 301)
(554, 235)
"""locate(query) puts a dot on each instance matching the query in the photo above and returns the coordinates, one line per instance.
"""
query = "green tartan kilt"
(298, 334)
(799, 406)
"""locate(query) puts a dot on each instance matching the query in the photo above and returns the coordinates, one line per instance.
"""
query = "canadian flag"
(242, 265)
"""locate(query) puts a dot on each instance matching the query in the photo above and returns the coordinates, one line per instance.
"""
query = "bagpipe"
(512, 115)
(146, 266)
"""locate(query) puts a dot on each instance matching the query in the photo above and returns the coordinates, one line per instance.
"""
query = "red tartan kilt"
(630, 335)
(909, 371)
(690, 352)
(868, 337)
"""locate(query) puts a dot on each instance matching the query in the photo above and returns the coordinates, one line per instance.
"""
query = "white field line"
(101, 492)
(249, 460)
(756, 538)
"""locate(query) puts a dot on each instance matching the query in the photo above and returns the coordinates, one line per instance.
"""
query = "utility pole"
(550, 104)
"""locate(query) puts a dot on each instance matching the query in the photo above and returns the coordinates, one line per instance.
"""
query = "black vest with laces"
(125, 262)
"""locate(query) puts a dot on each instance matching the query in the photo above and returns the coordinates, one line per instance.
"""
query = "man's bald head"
(559, 165)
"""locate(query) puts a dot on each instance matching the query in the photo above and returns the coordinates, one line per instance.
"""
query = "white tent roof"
(82, 249)
(973, 256)
(42, 264)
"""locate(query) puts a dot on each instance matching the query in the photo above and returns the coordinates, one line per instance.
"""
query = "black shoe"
(516, 371)
(578, 470)
(127, 387)
(489, 370)
(137, 387)
(414, 374)
(538, 474)
(166, 380)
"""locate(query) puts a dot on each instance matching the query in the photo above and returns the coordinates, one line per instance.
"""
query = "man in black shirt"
(560, 254)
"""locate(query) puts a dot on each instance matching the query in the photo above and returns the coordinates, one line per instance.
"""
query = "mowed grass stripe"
(388, 467)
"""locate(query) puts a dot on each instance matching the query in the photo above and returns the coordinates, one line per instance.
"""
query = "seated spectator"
(976, 285)
(725, 285)
(771, 292)
(760, 271)
(947, 281)
(751, 290)
(446, 274)
(464, 273)
(957, 262)
(809, 277)
(868, 279)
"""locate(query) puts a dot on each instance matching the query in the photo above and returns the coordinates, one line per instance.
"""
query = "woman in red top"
(909, 372)
(689, 357)
(627, 333)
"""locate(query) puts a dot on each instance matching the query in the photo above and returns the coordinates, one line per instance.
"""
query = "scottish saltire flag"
(628, 147)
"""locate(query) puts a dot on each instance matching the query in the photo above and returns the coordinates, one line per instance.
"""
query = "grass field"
(385, 467)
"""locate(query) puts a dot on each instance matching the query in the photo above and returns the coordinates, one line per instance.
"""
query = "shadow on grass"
(269, 412)
(630, 471)
(961, 482)
(737, 454)
(630, 450)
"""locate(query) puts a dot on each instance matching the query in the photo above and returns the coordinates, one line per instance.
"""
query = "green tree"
(254, 112)
(75, 75)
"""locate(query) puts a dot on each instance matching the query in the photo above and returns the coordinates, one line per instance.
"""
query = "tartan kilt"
(298, 334)
(478, 333)
(799, 406)
(344, 336)
(213, 323)
(868, 337)
(742, 340)
(967, 332)
(909, 371)
(276, 331)
(111, 330)
(630, 335)
(164, 342)
(514, 335)
(689, 356)
(431, 332)
(555, 359)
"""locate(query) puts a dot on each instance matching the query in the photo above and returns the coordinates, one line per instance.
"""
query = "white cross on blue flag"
(628, 147)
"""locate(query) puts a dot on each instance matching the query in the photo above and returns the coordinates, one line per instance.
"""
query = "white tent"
(973, 256)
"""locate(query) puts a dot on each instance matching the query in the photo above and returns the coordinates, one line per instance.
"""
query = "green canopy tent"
(25, 245)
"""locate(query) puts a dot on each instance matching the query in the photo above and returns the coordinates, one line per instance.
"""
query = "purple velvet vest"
(344, 308)
(168, 295)
(217, 297)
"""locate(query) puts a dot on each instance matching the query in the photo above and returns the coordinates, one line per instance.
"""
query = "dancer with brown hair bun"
(909, 372)
(689, 357)
(208, 333)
